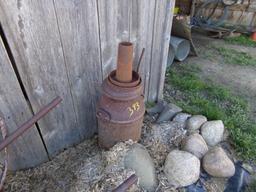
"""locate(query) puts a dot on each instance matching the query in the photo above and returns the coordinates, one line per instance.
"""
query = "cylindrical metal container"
(181, 47)
(121, 108)
(120, 112)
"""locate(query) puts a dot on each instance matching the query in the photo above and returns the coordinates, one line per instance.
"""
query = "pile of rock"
(182, 167)
(198, 150)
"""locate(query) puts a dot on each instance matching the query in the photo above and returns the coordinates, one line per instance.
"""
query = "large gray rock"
(181, 117)
(181, 168)
(195, 122)
(217, 163)
(212, 132)
(168, 113)
(196, 145)
(138, 159)
(158, 108)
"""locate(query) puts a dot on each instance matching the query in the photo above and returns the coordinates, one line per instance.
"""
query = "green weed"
(241, 40)
(232, 56)
(215, 102)
(150, 104)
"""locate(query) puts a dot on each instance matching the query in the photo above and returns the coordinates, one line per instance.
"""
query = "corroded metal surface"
(126, 184)
(121, 108)
(124, 62)
(28, 124)
(24, 127)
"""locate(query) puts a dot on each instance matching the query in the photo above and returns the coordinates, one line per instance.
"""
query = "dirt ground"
(240, 79)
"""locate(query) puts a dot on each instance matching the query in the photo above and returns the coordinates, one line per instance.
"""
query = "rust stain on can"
(121, 108)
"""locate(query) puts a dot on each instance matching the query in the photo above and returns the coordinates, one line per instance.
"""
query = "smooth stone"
(195, 122)
(181, 117)
(168, 113)
(158, 108)
(138, 159)
(196, 145)
(212, 132)
(217, 164)
(181, 168)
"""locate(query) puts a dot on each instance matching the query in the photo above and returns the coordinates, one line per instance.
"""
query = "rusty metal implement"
(126, 184)
(24, 127)
(121, 108)
(29, 123)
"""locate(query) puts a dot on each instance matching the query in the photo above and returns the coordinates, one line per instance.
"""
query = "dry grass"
(86, 167)
(82, 168)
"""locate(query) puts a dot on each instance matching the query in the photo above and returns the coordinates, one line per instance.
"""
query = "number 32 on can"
(135, 107)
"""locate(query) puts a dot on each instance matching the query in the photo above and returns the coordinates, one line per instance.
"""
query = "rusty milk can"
(121, 108)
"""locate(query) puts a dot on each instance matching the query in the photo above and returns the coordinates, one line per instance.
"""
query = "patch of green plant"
(232, 56)
(215, 102)
(150, 104)
(241, 40)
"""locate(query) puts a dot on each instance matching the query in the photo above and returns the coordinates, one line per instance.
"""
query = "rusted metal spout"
(126, 184)
(124, 62)
(29, 123)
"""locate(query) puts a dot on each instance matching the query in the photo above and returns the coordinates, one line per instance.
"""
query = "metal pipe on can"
(25, 126)
(126, 184)
(124, 62)
(181, 47)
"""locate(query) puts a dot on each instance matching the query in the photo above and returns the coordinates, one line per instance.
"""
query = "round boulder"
(217, 163)
(138, 159)
(212, 132)
(195, 122)
(181, 168)
(196, 145)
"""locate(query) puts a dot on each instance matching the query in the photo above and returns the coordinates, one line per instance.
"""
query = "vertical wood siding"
(67, 48)
(28, 150)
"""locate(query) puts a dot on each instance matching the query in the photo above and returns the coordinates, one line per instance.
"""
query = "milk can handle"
(104, 114)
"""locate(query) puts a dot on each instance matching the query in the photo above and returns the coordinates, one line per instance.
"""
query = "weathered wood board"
(114, 16)
(160, 45)
(141, 34)
(28, 150)
(138, 27)
(79, 31)
(67, 48)
(32, 32)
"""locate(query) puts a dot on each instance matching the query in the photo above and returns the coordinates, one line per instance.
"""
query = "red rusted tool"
(28, 124)
(126, 184)
(121, 108)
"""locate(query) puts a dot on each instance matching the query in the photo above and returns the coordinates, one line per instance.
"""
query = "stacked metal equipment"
(121, 107)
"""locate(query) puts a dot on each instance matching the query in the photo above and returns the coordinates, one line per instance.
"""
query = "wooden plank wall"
(67, 48)
(28, 150)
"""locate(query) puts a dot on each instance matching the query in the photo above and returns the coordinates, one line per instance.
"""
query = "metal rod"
(141, 56)
(25, 126)
(124, 62)
(126, 184)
